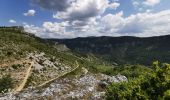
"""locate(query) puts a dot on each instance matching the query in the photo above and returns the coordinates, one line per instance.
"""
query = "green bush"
(167, 95)
(146, 87)
(16, 66)
(6, 83)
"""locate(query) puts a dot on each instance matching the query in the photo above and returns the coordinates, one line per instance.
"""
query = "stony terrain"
(83, 85)
(35, 69)
(87, 86)
(45, 68)
(40, 70)
(18, 70)
(50, 79)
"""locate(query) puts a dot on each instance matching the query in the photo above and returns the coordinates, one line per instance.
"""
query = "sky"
(82, 18)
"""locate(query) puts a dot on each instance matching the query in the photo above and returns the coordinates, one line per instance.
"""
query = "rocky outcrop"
(110, 79)
(45, 68)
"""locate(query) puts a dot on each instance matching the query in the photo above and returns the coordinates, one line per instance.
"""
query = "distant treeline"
(12, 27)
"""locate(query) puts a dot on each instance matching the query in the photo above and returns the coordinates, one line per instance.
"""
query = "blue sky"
(81, 18)
(14, 9)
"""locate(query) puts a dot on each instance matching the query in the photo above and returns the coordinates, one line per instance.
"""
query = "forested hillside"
(122, 50)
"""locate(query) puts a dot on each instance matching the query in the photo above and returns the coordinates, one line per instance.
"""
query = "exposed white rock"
(98, 95)
(67, 88)
(37, 66)
(48, 92)
(84, 71)
(121, 78)
(48, 63)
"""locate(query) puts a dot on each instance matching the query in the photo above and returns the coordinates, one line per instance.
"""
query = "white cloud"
(30, 13)
(80, 15)
(136, 3)
(83, 9)
(151, 2)
(85, 18)
(114, 5)
(54, 5)
(34, 29)
(111, 23)
(57, 28)
(143, 5)
(141, 24)
(49, 30)
(76, 9)
(12, 21)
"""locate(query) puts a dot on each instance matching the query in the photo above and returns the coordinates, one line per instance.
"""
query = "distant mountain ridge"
(123, 50)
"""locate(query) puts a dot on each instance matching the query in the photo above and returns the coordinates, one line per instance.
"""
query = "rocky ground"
(85, 87)
(82, 85)
(45, 68)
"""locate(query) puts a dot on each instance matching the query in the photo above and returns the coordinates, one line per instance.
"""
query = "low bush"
(6, 83)
(153, 86)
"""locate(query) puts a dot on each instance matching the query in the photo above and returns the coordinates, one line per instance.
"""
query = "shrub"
(6, 83)
(152, 86)
(16, 66)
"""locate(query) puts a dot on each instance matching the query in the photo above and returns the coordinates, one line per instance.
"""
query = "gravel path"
(77, 66)
(28, 72)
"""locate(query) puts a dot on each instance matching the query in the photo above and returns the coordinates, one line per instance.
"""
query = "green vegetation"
(16, 66)
(153, 86)
(143, 82)
(15, 44)
(98, 66)
(6, 83)
(122, 50)
(130, 71)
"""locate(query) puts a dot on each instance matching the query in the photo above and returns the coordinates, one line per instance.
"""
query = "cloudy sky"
(81, 18)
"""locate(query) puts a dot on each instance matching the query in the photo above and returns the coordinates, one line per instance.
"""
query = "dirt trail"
(77, 66)
(28, 72)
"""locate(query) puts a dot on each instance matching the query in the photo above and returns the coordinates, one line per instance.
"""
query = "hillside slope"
(122, 50)
(29, 64)
(34, 68)
(19, 49)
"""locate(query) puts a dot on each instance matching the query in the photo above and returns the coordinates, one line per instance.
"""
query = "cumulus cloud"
(57, 28)
(136, 3)
(49, 30)
(114, 5)
(143, 5)
(76, 10)
(141, 24)
(80, 15)
(79, 18)
(111, 23)
(33, 29)
(83, 9)
(12, 21)
(151, 2)
(30, 13)
(54, 5)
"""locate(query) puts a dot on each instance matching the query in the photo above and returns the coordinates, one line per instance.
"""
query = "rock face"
(86, 87)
